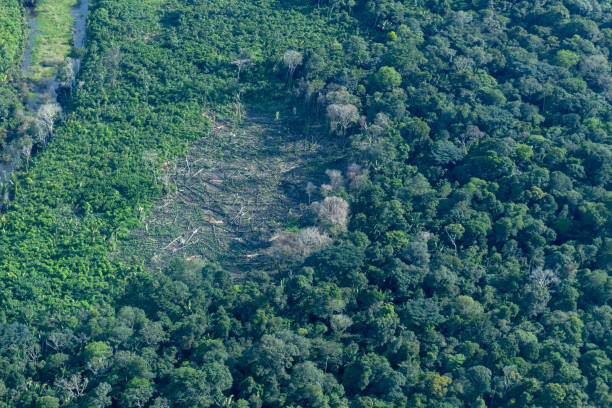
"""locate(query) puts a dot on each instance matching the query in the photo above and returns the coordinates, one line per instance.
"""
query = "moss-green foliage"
(11, 36)
(11, 47)
(147, 85)
(474, 270)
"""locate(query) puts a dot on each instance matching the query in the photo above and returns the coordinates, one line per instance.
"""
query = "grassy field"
(52, 45)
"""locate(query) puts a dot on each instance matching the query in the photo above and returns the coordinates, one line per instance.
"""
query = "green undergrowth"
(461, 253)
(149, 87)
(11, 36)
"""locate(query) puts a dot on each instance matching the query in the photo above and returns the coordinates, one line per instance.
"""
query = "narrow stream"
(79, 13)
(46, 90)
(33, 32)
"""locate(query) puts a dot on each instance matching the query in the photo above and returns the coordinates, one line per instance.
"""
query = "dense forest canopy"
(454, 247)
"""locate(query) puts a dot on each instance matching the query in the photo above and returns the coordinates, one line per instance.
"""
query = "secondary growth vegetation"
(262, 203)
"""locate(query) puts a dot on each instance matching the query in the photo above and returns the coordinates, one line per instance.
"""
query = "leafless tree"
(81, 339)
(66, 74)
(98, 366)
(471, 135)
(454, 232)
(44, 120)
(242, 60)
(308, 89)
(57, 341)
(292, 60)
(151, 160)
(336, 180)
(146, 82)
(33, 353)
(461, 18)
(342, 96)
(240, 63)
(325, 189)
(310, 188)
(283, 244)
(353, 171)
(298, 245)
(74, 386)
(376, 129)
(342, 115)
(424, 236)
(311, 239)
(463, 63)
(595, 67)
(238, 105)
(26, 150)
(333, 210)
(545, 278)
(356, 174)
(510, 377)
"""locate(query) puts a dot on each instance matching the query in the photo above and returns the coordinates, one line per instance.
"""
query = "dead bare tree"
(545, 278)
(44, 121)
(342, 115)
(296, 246)
(74, 386)
(238, 105)
(332, 210)
(242, 60)
(325, 189)
(57, 341)
(240, 63)
(336, 180)
(470, 136)
(509, 378)
(356, 174)
(292, 60)
(66, 74)
(310, 188)
(311, 239)
(342, 96)
(26, 151)
(33, 353)
(146, 82)
(98, 367)
(353, 171)
(151, 160)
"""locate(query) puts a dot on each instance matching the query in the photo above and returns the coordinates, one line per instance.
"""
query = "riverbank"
(54, 29)
(53, 42)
